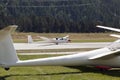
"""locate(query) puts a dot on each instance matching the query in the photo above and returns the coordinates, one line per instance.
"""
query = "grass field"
(75, 37)
(56, 73)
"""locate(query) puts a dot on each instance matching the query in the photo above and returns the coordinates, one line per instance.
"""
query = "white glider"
(50, 40)
(104, 58)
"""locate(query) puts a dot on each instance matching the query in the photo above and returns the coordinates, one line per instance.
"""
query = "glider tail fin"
(66, 36)
(44, 38)
(30, 40)
(7, 51)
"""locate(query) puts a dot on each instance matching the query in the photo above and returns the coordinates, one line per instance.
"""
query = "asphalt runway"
(26, 46)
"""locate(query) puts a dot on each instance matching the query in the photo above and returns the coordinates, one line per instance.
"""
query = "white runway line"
(26, 46)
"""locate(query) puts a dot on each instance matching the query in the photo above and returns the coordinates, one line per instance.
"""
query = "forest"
(60, 16)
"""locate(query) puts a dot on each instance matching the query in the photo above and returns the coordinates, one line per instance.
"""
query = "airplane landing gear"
(6, 69)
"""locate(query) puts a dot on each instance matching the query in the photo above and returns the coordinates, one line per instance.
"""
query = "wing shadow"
(114, 73)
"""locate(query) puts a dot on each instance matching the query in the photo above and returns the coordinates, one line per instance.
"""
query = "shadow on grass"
(114, 73)
(49, 74)
(83, 69)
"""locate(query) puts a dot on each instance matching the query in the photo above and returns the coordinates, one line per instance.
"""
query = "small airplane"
(50, 40)
(104, 58)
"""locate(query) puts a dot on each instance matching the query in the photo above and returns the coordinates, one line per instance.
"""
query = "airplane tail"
(44, 38)
(7, 51)
(66, 36)
(30, 40)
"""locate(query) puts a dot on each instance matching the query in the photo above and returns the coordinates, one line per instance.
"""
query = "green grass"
(56, 72)
(54, 50)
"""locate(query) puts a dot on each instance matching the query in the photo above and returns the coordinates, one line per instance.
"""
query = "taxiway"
(26, 46)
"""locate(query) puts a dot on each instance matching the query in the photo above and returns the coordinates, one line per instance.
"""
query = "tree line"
(60, 16)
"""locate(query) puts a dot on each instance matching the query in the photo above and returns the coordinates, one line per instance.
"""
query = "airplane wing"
(105, 55)
(66, 36)
(44, 38)
(109, 28)
(115, 35)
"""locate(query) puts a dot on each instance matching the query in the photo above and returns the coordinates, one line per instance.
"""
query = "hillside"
(59, 15)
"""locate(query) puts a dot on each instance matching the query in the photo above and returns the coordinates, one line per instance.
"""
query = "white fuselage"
(74, 60)
(58, 40)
